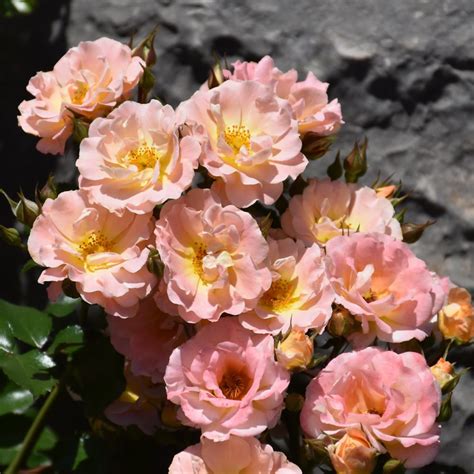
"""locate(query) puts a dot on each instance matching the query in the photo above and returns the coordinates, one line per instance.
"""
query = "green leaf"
(7, 342)
(27, 324)
(29, 370)
(67, 337)
(14, 399)
(97, 373)
(446, 409)
(64, 306)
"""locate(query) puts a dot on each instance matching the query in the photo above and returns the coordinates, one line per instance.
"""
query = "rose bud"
(342, 323)
(456, 318)
(295, 352)
(443, 372)
(386, 191)
(352, 454)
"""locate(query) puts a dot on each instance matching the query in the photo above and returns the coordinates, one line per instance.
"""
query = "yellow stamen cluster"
(237, 136)
(369, 296)
(95, 242)
(235, 384)
(279, 296)
(200, 252)
(143, 157)
(79, 93)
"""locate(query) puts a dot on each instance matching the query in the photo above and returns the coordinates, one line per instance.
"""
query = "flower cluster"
(223, 272)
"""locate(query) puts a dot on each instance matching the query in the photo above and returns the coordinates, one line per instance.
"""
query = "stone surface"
(403, 71)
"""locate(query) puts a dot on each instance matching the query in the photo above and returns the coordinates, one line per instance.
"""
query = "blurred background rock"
(403, 71)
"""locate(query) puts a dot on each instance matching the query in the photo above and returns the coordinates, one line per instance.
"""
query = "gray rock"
(403, 71)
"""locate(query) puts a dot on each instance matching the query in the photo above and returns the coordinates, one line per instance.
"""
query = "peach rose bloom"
(139, 404)
(147, 339)
(88, 81)
(234, 456)
(226, 381)
(300, 295)
(250, 141)
(103, 254)
(384, 286)
(308, 98)
(456, 318)
(392, 398)
(137, 157)
(215, 257)
(353, 454)
(327, 209)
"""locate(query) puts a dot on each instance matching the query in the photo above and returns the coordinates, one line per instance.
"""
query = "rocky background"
(403, 71)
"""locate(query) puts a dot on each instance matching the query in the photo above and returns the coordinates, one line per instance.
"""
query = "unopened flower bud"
(342, 323)
(146, 49)
(353, 454)
(295, 352)
(413, 232)
(315, 146)
(386, 191)
(10, 236)
(443, 372)
(81, 130)
(24, 210)
(393, 466)
(169, 415)
(27, 211)
(48, 191)
(154, 263)
(216, 76)
(355, 164)
(456, 318)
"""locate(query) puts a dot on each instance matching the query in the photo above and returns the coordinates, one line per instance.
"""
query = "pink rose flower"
(226, 381)
(236, 455)
(308, 98)
(300, 296)
(88, 81)
(384, 286)
(393, 398)
(103, 254)
(250, 141)
(214, 256)
(147, 339)
(137, 157)
(327, 209)
(139, 404)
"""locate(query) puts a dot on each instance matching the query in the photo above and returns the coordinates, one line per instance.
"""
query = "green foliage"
(14, 399)
(9, 8)
(67, 340)
(26, 324)
(29, 370)
(64, 306)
